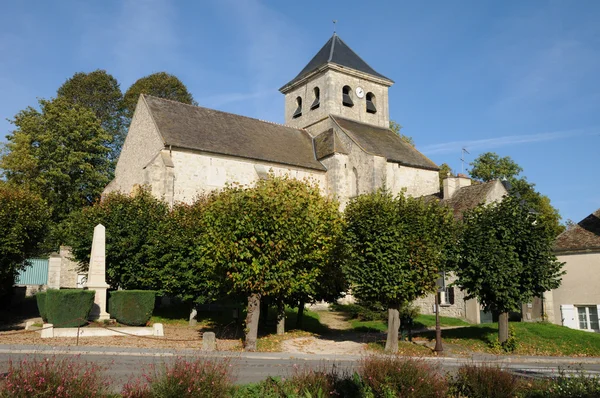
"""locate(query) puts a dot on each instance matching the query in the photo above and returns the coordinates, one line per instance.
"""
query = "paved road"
(123, 363)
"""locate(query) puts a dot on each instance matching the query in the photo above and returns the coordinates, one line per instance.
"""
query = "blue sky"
(521, 78)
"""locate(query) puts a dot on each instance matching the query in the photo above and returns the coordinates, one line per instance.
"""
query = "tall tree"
(489, 166)
(262, 239)
(129, 222)
(60, 153)
(505, 258)
(100, 92)
(162, 85)
(395, 250)
(23, 225)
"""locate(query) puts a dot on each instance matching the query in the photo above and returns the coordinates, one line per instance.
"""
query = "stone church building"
(336, 133)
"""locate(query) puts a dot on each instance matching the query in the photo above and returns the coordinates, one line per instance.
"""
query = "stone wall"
(142, 145)
(456, 310)
(68, 268)
(417, 182)
(330, 83)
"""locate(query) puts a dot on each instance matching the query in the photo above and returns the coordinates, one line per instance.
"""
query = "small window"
(371, 103)
(298, 111)
(588, 317)
(446, 296)
(346, 100)
(317, 100)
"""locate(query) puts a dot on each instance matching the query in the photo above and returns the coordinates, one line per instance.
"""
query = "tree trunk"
(252, 322)
(300, 316)
(503, 327)
(391, 344)
(193, 315)
(280, 317)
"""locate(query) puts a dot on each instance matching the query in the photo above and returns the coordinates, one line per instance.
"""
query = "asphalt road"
(122, 364)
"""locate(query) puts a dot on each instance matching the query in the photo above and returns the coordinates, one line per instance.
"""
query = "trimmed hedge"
(40, 297)
(131, 307)
(69, 308)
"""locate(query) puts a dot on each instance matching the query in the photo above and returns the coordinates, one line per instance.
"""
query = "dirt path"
(334, 320)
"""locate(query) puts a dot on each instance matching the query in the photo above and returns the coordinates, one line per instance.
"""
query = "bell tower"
(336, 81)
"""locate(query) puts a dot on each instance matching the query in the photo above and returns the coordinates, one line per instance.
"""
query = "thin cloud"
(228, 98)
(509, 140)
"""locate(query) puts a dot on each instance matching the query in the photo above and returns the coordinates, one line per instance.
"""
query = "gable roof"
(203, 129)
(583, 236)
(467, 198)
(327, 143)
(337, 52)
(384, 142)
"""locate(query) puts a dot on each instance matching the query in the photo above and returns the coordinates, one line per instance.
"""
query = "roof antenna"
(334, 22)
(462, 158)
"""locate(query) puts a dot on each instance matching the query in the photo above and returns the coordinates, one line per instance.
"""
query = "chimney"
(453, 184)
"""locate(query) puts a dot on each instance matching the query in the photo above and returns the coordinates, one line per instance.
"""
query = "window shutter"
(569, 316)
(450, 294)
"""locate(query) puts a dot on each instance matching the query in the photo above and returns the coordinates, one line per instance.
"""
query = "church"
(336, 133)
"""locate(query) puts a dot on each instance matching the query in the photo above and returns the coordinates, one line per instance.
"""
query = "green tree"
(23, 225)
(395, 250)
(58, 152)
(445, 171)
(396, 127)
(162, 85)
(262, 238)
(489, 166)
(100, 92)
(175, 254)
(129, 221)
(505, 258)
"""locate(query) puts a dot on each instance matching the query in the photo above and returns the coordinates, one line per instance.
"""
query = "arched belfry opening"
(298, 111)
(317, 101)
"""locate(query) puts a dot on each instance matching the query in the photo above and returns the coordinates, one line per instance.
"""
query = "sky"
(519, 78)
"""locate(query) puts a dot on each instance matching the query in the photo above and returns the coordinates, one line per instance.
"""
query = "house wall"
(196, 172)
(456, 310)
(496, 193)
(331, 83)
(142, 144)
(580, 284)
(417, 182)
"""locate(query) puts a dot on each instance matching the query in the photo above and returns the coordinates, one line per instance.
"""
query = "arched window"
(354, 183)
(317, 100)
(371, 103)
(298, 111)
(346, 100)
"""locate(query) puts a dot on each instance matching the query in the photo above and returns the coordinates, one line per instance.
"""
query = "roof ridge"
(332, 47)
(228, 113)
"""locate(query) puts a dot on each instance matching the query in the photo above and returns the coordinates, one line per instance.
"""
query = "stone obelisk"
(97, 274)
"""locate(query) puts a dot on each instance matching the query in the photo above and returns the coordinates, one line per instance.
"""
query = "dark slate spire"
(337, 52)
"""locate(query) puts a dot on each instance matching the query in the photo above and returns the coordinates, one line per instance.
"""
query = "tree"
(489, 166)
(445, 171)
(175, 254)
(59, 153)
(263, 239)
(162, 85)
(99, 92)
(396, 127)
(395, 250)
(505, 258)
(129, 221)
(23, 225)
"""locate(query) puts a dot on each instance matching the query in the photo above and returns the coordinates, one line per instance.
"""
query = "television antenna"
(334, 25)
(462, 158)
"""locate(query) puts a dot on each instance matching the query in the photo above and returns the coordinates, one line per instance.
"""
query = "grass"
(421, 322)
(532, 339)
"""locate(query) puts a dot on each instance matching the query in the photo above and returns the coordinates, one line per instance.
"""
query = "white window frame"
(587, 316)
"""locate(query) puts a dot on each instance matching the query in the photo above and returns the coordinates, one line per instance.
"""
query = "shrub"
(40, 298)
(51, 377)
(398, 377)
(131, 307)
(578, 385)
(198, 378)
(485, 382)
(69, 308)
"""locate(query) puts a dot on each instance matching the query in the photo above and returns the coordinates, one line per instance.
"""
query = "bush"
(69, 308)
(53, 378)
(484, 382)
(198, 378)
(397, 377)
(131, 307)
(40, 297)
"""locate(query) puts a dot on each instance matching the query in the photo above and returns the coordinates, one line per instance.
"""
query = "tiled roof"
(337, 52)
(467, 198)
(384, 142)
(203, 129)
(583, 236)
